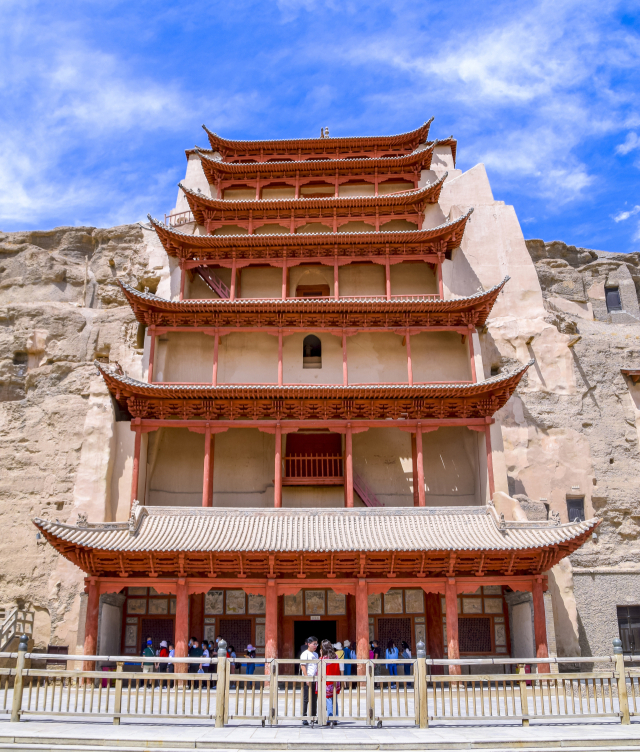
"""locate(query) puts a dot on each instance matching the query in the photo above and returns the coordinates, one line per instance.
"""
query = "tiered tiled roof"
(418, 160)
(441, 239)
(267, 148)
(386, 203)
(313, 402)
(166, 541)
(320, 313)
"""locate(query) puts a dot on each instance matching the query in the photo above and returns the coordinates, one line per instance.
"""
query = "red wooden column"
(183, 274)
(271, 622)
(487, 439)
(336, 289)
(435, 636)
(440, 282)
(362, 623)
(420, 464)
(451, 596)
(472, 359)
(277, 485)
(216, 350)
(91, 622)
(285, 279)
(280, 363)
(414, 463)
(207, 476)
(182, 624)
(407, 338)
(348, 471)
(232, 293)
(345, 370)
(152, 352)
(540, 624)
(387, 275)
(135, 474)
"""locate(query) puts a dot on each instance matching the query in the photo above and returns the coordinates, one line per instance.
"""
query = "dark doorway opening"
(323, 630)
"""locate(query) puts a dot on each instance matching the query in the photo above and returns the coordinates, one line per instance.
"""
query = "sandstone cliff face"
(60, 309)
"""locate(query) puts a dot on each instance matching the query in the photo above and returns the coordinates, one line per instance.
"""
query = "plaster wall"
(262, 282)
(184, 357)
(356, 189)
(438, 357)
(362, 279)
(248, 358)
(413, 279)
(598, 593)
(382, 458)
(194, 180)
(243, 468)
(451, 462)
(175, 479)
(377, 357)
(293, 366)
(296, 497)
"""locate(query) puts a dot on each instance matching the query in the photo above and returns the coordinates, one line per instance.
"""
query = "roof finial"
(326, 131)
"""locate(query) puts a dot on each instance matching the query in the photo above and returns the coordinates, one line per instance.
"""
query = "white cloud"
(624, 215)
(631, 142)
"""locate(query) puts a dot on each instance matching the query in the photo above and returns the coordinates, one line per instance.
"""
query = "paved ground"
(102, 735)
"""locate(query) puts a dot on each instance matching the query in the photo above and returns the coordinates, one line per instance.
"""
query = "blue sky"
(98, 100)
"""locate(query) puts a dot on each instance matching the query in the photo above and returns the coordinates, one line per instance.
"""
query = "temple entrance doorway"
(323, 630)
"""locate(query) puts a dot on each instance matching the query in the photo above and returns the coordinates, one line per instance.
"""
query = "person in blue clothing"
(391, 653)
(251, 667)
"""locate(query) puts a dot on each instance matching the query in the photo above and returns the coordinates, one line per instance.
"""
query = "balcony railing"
(313, 470)
(181, 218)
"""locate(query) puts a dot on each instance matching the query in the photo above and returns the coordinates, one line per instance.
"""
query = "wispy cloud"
(631, 143)
(624, 215)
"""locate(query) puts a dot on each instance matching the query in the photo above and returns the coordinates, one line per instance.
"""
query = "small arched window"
(311, 352)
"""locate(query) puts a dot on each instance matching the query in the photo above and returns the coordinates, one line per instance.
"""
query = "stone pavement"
(83, 735)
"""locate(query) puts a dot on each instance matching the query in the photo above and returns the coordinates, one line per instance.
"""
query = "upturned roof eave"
(292, 143)
(150, 302)
(429, 194)
(327, 165)
(319, 238)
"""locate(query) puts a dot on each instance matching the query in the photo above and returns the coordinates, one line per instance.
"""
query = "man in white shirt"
(309, 669)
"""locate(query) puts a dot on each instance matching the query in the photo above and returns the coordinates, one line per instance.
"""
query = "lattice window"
(393, 629)
(236, 632)
(474, 635)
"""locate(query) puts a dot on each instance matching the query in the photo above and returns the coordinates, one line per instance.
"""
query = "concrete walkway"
(82, 735)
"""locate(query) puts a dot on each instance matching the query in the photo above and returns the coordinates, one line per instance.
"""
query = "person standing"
(406, 653)
(148, 652)
(250, 652)
(195, 651)
(347, 654)
(162, 667)
(333, 689)
(311, 670)
(231, 652)
(339, 654)
(374, 654)
(391, 653)
(170, 666)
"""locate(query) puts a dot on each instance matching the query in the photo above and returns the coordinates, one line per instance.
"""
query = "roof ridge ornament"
(82, 520)
(554, 518)
(134, 519)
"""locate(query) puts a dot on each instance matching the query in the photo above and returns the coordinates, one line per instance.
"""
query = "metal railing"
(313, 469)
(413, 696)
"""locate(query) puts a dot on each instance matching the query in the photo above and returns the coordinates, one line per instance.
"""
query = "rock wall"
(61, 309)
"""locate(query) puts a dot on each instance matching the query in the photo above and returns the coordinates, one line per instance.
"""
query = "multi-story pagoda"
(314, 438)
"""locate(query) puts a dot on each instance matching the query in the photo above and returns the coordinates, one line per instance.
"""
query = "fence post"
(420, 683)
(16, 706)
(623, 699)
(524, 698)
(273, 694)
(221, 683)
(322, 693)
(117, 703)
(371, 695)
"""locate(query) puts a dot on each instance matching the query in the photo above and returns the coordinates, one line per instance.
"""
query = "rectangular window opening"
(629, 626)
(575, 509)
(612, 296)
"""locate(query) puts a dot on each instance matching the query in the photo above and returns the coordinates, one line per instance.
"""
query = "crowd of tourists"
(335, 655)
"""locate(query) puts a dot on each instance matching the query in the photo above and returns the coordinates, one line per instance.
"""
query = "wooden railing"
(313, 470)
(276, 696)
(19, 621)
(212, 280)
(179, 218)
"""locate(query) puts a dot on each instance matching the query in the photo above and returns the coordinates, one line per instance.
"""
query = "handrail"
(364, 492)
(213, 281)
(179, 218)
(313, 466)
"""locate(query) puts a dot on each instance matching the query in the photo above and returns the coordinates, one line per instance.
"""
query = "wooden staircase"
(364, 492)
(213, 281)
